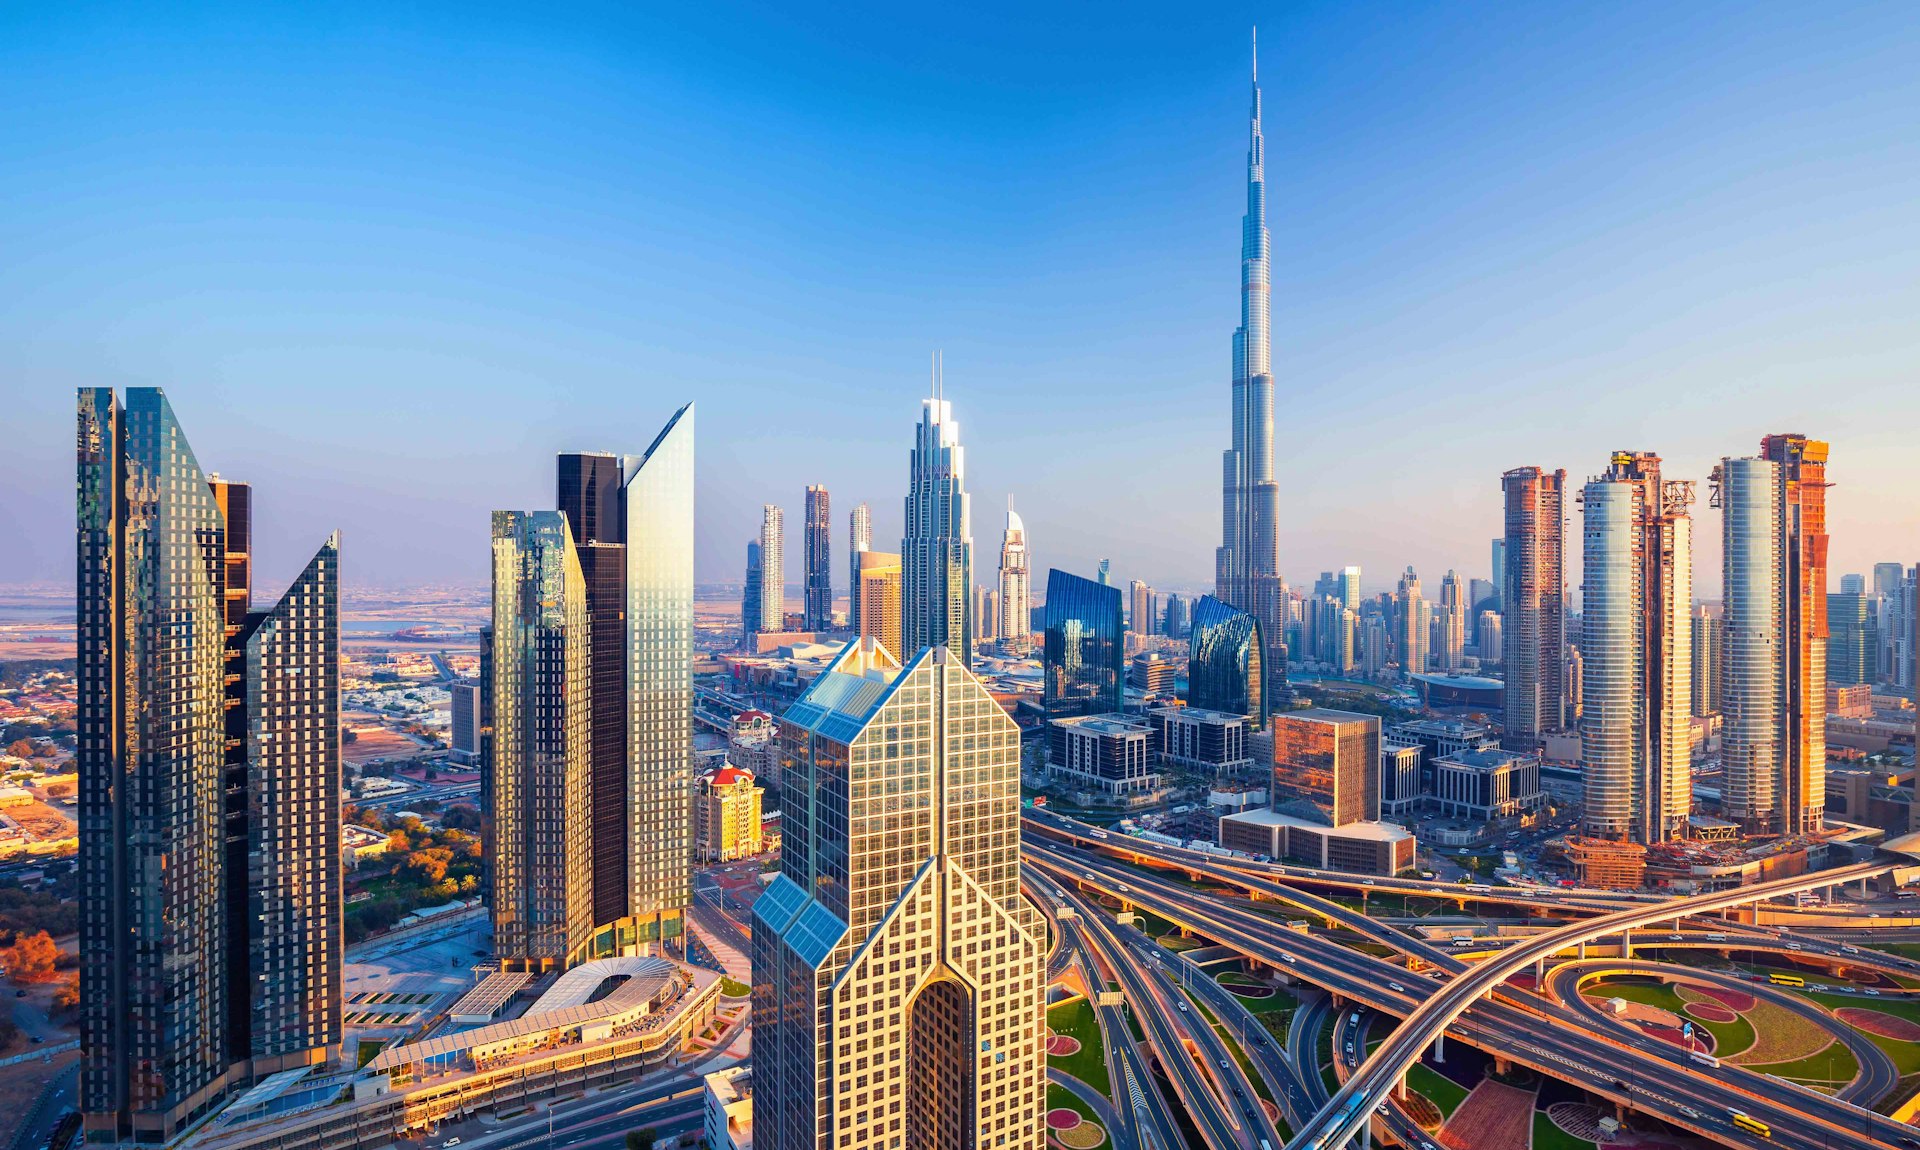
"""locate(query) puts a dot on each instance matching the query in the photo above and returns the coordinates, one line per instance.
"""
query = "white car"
(1396, 988)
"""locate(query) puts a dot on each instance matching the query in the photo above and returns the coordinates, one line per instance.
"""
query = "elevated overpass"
(1348, 1111)
(1651, 1076)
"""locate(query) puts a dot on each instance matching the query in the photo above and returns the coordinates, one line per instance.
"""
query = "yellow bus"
(1750, 1125)
(1786, 980)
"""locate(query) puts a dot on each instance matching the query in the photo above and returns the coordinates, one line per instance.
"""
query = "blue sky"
(387, 259)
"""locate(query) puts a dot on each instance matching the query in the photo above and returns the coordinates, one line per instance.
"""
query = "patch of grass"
(1834, 1064)
(1060, 1098)
(1729, 1038)
(735, 989)
(1905, 1055)
(1177, 943)
(369, 1050)
(1329, 1078)
(1076, 1019)
(1438, 1089)
(1547, 1136)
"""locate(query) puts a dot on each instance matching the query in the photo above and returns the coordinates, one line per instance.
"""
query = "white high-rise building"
(773, 571)
(860, 538)
(1016, 619)
(1636, 652)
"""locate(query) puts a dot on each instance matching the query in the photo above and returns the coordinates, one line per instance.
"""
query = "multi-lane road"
(1525, 1029)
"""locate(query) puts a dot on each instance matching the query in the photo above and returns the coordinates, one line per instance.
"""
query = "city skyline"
(1380, 324)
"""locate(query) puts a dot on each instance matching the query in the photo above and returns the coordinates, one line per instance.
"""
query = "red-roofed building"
(726, 815)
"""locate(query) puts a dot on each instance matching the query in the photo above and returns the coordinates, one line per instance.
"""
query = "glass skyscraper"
(589, 492)
(657, 500)
(817, 596)
(1247, 565)
(1224, 668)
(859, 538)
(208, 764)
(1084, 648)
(538, 827)
(899, 981)
(936, 552)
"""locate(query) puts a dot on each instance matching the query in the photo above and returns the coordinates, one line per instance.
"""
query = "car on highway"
(1396, 988)
(1675, 938)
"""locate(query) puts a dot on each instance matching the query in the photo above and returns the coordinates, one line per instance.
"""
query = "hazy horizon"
(386, 264)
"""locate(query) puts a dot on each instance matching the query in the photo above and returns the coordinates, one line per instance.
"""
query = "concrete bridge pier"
(1539, 973)
(1440, 1047)
(1626, 944)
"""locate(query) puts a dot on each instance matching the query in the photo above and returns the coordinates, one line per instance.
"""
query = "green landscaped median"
(1729, 1038)
(1834, 1064)
(1076, 1020)
(1440, 1090)
(1905, 1055)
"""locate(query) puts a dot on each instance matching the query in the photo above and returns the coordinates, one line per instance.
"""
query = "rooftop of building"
(1452, 728)
(1483, 758)
(1325, 715)
(1200, 715)
(1369, 831)
(1464, 682)
(1110, 723)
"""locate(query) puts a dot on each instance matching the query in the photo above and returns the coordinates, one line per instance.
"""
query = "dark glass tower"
(818, 597)
(189, 869)
(1224, 671)
(292, 888)
(1085, 647)
(590, 497)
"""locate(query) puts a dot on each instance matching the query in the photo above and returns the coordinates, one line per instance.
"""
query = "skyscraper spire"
(1247, 565)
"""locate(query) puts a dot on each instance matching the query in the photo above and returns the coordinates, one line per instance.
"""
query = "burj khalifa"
(1247, 565)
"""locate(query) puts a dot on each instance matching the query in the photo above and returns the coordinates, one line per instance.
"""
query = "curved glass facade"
(1611, 701)
(1224, 661)
(1085, 646)
(1750, 668)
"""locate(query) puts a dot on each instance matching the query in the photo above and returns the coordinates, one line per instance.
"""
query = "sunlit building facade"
(772, 597)
(879, 595)
(1774, 677)
(1533, 597)
(537, 830)
(899, 984)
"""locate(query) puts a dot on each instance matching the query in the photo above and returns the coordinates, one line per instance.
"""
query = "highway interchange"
(1440, 991)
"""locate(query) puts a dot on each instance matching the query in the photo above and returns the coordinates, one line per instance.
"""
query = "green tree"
(642, 1139)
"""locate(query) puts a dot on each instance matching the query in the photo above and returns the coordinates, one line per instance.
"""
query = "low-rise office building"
(1109, 754)
(1202, 740)
(1486, 784)
(1376, 848)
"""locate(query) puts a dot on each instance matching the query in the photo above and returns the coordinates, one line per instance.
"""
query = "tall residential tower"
(208, 756)
(859, 538)
(1016, 618)
(1636, 649)
(1533, 625)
